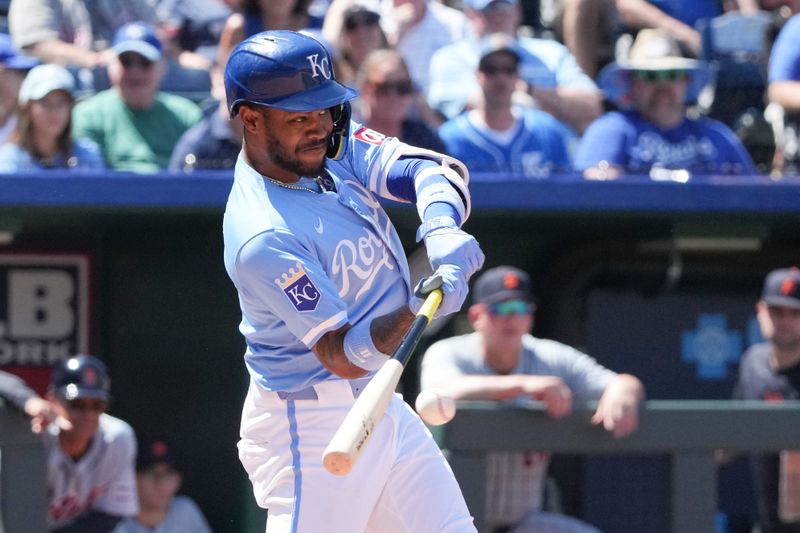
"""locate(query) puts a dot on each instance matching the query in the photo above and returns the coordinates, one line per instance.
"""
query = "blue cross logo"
(711, 346)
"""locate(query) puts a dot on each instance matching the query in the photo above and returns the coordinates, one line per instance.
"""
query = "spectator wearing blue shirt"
(651, 132)
(502, 138)
(42, 137)
(550, 72)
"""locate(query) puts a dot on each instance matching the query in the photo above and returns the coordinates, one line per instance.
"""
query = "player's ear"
(250, 118)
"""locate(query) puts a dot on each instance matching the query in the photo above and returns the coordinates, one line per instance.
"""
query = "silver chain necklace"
(324, 183)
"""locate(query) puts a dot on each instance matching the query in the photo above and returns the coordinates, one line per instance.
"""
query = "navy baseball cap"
(154, 452)
(480, 5)
(782, 288)
(81, 376)
(139, 38)
(502, 283)
(11, 58)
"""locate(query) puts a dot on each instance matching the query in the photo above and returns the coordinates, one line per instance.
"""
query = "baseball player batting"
(325, 294)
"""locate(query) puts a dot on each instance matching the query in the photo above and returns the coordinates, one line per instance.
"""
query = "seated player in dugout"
(502, 361)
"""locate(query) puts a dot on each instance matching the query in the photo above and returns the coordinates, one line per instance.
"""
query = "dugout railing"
(690, 432)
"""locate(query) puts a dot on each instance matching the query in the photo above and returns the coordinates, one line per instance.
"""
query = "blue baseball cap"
(139, 38)
(480, 5)
(11, 58)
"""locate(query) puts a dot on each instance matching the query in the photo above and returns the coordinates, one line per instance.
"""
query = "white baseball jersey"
(306, 262)
(104, 479)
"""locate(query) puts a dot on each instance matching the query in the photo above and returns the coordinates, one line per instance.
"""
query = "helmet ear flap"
(341, 124)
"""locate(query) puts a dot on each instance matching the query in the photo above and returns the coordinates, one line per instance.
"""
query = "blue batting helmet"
(283, 69)
(81, 376)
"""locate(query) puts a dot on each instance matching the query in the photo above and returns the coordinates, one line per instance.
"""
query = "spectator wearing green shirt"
(135, 125)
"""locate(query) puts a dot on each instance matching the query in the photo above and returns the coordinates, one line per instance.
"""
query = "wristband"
(360, 349)
(434, 224)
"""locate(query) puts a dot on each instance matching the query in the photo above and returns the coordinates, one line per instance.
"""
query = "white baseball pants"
(401, 483)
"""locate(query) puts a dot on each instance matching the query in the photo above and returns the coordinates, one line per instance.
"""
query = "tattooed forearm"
(388, 330)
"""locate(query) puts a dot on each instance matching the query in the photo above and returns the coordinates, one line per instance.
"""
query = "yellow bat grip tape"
(431, 304)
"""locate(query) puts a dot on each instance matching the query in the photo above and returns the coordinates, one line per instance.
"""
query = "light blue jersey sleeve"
(303, 295)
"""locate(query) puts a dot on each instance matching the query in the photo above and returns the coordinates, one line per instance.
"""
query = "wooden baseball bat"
(354, 432)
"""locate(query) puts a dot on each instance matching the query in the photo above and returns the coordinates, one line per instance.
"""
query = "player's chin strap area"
(341, 124)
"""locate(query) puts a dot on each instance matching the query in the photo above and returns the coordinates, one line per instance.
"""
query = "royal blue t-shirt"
(624, 139)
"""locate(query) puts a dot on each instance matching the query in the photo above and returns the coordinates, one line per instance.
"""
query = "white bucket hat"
(652, 50)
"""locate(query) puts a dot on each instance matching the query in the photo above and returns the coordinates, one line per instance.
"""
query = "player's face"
(286, 145)
(502, 324)
(780, 325)
(659, 96)
(84, 413)
(157, 486)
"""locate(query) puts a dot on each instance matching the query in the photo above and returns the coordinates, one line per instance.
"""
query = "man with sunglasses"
(499, 135)
(651, 133)
(91, 478)
(501, 361)
(548, 71)
(136, 125)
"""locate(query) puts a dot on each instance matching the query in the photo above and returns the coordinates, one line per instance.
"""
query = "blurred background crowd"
(526, 89)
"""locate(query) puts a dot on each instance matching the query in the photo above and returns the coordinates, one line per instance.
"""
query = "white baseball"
(435, 407)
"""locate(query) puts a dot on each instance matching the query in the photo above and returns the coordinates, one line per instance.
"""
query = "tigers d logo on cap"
(502, 283)
(782, 288)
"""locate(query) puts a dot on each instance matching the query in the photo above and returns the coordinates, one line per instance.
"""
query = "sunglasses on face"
(511, 307)
(652, 76)
(402, 88)
(98, 406)
(135, 60)
(365, 20)
(494, 70)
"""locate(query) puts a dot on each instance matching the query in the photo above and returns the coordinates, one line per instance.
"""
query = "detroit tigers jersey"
(701, 146)
(307, 262)
(536, 148)
(103, 479)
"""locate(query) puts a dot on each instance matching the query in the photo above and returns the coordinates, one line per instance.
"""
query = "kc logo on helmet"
(319, 66)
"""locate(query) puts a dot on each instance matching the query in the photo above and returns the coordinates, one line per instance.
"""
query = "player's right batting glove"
(454, 285)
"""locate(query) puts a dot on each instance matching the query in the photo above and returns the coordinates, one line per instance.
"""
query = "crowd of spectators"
(146, 83)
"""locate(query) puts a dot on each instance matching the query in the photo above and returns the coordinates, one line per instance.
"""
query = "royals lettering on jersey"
(299, 288)
(359, 261)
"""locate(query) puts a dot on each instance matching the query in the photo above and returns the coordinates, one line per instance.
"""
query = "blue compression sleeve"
(400, 183)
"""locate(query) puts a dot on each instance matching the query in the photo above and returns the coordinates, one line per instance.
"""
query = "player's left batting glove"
(454, 285)
(449, 245)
